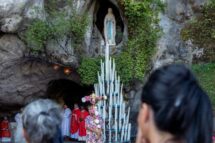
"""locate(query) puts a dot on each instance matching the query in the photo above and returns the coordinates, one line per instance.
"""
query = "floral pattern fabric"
(94, 123)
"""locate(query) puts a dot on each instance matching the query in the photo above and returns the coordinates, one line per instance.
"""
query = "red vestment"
(82, 128)
(4, 129)
(74, 125)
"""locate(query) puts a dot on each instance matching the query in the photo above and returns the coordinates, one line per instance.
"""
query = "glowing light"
(67, 71)
(56, 67)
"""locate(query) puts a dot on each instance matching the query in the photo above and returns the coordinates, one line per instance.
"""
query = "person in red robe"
(82, 128)
(5, 131)
(74, 125)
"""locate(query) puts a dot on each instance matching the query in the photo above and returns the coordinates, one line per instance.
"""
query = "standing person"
(19, 127)
(94, 125)
(82, 127)
(65, 127)
(74, 122)
(41, 122)
(174, 108)
(5, 130)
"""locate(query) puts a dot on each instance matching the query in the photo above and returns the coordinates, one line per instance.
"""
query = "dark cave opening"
(67, 92)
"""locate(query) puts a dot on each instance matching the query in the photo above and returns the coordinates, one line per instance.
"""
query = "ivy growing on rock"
(201, 31)
(134, 60)
(88, 70)
(143, 33)
(58, 23)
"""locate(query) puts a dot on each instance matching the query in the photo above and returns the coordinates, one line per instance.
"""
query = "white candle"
(115, 117)
(111, 100)
(119, 121)
(128, 115)
(120, 111)
(104, 122)
(109, 135)
(107, 60)
(126, 131)
(108, 88)
(129, 132)
(116, 132)
(117, 112)
(122, 132)
(109, 116)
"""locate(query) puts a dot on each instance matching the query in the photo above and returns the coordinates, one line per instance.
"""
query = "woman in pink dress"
(94, 125)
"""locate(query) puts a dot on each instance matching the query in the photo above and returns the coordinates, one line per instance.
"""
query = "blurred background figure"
(65, 127)
(5, 134)
(174, 108)
(19, 127)
(82, 127)
(74, 126)
(42, 121)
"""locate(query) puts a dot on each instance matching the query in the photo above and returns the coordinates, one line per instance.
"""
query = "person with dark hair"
(174, 108)
(41, 121)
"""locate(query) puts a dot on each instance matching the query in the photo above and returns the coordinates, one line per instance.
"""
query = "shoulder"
(67, 110)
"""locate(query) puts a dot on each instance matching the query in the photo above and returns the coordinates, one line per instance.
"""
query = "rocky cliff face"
(171, 49)
(22, 78)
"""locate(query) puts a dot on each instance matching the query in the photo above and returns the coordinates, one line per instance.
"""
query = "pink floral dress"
(94, 124)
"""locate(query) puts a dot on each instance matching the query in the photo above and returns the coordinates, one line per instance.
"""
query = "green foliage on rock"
(124, 67)
(206, 76)
(132, 63)
(142, 17)
(88, 70)
(201, 31)
(57, 24)
(37, 34)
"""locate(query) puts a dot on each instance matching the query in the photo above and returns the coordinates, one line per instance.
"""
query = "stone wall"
(171, 49)
(24, 76)
(23, 79)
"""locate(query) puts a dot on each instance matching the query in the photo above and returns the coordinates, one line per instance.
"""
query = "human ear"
(144, 117)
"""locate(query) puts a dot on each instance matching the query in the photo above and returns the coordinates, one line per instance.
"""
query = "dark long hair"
(179, 104)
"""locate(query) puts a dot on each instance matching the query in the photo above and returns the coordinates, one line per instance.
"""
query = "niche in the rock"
(100, 16)
(67, 91)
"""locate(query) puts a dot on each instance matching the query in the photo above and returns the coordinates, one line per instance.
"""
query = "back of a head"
(179, 104)
(42, 120)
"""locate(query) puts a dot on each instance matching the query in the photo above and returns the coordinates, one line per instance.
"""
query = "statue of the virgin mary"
(110, 28)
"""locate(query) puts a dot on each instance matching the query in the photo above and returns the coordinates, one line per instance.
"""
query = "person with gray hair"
(41, 122)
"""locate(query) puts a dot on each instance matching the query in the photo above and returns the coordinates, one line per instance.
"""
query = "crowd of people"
(174, 109)
(74, 123)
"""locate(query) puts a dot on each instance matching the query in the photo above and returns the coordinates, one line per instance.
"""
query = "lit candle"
(67, 71)
(56, 67)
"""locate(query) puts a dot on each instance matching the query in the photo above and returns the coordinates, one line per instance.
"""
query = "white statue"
(110, 28)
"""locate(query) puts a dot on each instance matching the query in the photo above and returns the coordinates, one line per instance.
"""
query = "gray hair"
(41, 121)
